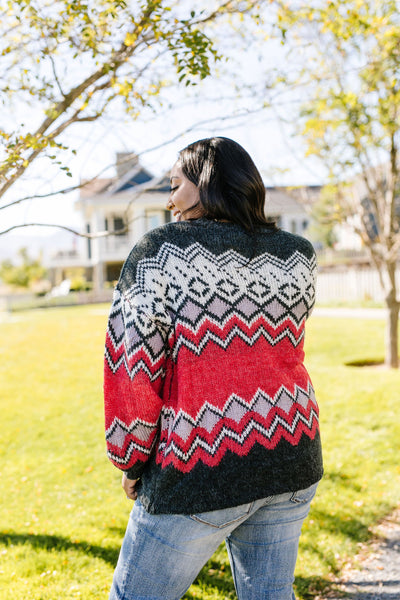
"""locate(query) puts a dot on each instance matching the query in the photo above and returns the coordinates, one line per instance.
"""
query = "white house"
(134, 202)
(288, 207)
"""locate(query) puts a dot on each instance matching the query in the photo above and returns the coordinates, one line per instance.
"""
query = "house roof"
(133, 177)
(159, 184)
(92, 187)
(290, 200)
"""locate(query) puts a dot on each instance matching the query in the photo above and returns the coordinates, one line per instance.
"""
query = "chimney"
(125, 162)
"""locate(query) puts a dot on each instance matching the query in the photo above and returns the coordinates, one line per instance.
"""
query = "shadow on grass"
(350, 527)
(343, 480)
(60, 543)
(215, 576)
(365, 362)
(309, 587)
(115, 529)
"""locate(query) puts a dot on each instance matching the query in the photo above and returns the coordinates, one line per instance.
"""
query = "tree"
(323, 219)
(25, 273)
(77, 61)
(346, 68)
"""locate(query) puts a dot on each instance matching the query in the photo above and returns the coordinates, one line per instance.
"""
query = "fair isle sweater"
(207, 399)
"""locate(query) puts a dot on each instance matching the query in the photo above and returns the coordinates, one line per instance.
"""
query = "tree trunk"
(392, 337)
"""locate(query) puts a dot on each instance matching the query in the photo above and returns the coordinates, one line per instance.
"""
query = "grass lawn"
(63, 513)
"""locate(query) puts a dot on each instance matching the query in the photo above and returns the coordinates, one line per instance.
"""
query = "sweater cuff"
(134, 472)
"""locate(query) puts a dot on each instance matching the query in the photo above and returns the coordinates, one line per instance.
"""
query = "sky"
(278, 158)
(205, 110)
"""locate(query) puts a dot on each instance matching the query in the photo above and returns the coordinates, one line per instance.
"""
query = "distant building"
(288, 207)
(133, 202)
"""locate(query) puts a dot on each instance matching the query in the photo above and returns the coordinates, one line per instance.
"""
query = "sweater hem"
(158, 508)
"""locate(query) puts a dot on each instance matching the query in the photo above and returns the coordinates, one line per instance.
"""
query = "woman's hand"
(129, 487)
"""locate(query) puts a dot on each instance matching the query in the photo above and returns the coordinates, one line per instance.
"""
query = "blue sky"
(278, 156)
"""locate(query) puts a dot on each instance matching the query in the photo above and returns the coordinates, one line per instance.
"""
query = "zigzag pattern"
(219, 312)
(182, 293)
(134, 369)
(197, 273)
(134, 340)
(236, 407)
(236, 332)
(239, 442)
(118, 430)
(123, 459)
(118, 434)
(237, 426)
(171, 253)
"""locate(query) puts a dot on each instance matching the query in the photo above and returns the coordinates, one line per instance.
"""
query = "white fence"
(350, 284)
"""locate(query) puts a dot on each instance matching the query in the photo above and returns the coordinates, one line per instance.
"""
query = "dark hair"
(229, 182)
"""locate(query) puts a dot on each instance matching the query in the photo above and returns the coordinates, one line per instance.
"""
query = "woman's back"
(213, 320)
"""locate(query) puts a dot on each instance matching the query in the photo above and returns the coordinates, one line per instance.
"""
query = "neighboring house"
(134, 202)
(364, 208)
(288, 207)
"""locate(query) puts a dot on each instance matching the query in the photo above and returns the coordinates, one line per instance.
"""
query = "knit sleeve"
(135, 365)
(310, 291)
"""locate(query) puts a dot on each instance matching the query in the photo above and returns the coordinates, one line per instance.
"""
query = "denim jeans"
(161, 555)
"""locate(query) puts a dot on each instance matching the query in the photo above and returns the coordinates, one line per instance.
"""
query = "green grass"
(351, 304)
(63, 513)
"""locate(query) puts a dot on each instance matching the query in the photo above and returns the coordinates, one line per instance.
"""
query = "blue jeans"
(161, 555)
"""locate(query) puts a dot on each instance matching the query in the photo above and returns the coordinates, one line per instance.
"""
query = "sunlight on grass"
(63, 512)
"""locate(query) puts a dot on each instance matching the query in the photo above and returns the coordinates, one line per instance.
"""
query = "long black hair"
(229, 183)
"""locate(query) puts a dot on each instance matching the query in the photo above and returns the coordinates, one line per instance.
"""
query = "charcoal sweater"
(207, 399)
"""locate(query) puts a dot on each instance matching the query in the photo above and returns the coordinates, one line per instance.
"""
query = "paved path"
(379, 575)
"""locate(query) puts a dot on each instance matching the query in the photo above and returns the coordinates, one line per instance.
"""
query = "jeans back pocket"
(304, 496)
(223, 517)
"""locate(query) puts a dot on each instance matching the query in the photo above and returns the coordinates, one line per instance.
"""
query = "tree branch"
(117, 59)
(65, 227)
(197, 125)
(53, 67)
(24, 152)
(90, 236)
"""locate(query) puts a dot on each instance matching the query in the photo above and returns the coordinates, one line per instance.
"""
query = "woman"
(209, 409)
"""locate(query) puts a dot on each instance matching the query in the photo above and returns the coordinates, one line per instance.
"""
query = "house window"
(113, 271)
(119, 224)
(154, 219)
(89, 242)
(293, 226)
(116, 242)
(114, 224)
